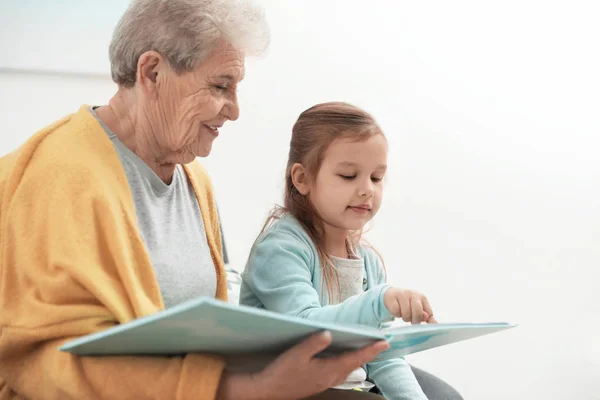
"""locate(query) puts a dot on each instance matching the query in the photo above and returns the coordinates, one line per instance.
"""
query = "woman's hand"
(297, 373)
(409, 305)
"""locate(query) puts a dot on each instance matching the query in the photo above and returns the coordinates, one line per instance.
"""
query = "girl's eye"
(347, 177)
(376, 179)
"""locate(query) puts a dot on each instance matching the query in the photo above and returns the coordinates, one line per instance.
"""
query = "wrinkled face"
(185, 111)
(348, 189)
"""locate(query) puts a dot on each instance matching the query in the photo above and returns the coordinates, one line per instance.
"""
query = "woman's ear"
(150, 64)
(300, 179)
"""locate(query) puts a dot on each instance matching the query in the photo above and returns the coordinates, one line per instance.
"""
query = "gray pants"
(434, 388)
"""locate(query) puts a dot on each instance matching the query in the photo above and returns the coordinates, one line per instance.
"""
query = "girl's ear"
(300, 179)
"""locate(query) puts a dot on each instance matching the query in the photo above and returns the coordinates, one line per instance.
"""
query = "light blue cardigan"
(283, 274)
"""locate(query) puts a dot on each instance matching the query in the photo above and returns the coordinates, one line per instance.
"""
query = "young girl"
(309, 260)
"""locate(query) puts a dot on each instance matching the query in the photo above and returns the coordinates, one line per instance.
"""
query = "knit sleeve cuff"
(381, 311)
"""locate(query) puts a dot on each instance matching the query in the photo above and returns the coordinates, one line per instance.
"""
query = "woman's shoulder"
(199, 177)
(69, 157)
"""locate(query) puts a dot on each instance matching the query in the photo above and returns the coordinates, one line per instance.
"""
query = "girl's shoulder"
(374, 265)
(370, 255)
(283, 243)
(286, 231)
(286, 224)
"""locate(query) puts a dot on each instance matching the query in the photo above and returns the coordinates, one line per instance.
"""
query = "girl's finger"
(405, 310)
(417, 311)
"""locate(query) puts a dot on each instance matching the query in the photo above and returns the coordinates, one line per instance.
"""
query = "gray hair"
(184, 32)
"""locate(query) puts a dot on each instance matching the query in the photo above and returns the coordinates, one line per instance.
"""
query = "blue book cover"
(207, 325)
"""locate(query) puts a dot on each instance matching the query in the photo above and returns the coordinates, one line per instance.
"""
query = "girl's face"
(348, 189)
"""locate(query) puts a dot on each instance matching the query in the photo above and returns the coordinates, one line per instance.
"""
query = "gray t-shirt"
(351, 275)
(171, 226)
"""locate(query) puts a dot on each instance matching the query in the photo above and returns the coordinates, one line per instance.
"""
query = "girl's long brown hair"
(313, 132)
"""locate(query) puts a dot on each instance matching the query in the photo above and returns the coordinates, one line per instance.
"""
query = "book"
(246, 335)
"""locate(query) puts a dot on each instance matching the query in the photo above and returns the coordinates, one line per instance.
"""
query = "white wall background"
(491, 208)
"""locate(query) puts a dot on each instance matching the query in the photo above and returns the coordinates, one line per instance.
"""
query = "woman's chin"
(191, 153)
(203, 148)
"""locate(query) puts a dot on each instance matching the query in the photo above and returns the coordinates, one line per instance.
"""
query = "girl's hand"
(409, 305)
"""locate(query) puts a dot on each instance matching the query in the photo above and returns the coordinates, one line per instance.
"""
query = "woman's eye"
(221, 87)
(348, 177)
(376, 179)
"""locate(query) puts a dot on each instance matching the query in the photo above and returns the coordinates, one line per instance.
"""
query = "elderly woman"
(105, 216)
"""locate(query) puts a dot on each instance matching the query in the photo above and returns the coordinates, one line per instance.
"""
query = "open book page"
(407, 339)
(206, 325)
(399, 327)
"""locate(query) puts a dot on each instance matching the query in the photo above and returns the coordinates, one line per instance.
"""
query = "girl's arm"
(394, 378)
(279, 276)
